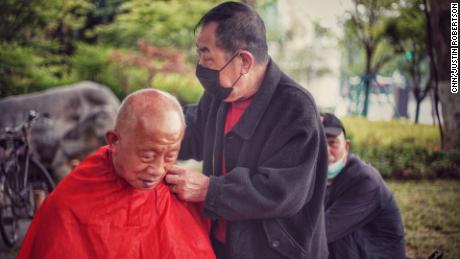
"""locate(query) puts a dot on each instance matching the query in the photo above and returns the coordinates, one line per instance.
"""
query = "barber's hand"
(189, 185)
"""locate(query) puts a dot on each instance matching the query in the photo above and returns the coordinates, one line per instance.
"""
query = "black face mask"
(209, 79)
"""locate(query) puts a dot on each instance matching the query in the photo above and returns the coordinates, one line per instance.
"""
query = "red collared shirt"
(234, 114)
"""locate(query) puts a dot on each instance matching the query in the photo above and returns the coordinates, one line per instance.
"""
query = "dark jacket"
(362, 218)
(276, 159)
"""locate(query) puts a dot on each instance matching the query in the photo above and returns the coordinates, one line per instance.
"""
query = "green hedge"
(402, 150)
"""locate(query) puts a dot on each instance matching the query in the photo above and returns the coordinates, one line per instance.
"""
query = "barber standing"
(260, 138)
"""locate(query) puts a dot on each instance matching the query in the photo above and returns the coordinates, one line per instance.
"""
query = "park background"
(378, 64)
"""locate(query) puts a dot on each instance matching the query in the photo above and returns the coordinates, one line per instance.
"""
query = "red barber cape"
(95, 214)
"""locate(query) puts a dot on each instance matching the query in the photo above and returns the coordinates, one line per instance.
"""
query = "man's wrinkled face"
(143, 155)
(213, 57)
(337, 147)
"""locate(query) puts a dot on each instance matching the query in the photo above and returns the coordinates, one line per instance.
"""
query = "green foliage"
(366, 48)
(23, 21)
(128, 44)
(100, 12)
(445, 163)
(24, 70)
(364, 37)
(90, 62)
(127, 71)
(185, 87)
(407, 35)
(164, 23)
(30, 60)
(400, 149)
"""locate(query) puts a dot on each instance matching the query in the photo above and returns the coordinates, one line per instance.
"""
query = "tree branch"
(382, 62)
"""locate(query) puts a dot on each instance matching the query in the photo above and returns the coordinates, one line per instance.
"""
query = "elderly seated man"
(115, 204)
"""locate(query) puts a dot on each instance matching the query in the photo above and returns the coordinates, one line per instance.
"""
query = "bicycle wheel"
(40, 177)
(39, 180)
(32, 177)
(9, 225)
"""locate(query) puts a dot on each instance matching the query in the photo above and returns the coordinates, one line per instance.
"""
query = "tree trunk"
(417, 109)
(367, 89)
(367, 80)
(450, 103)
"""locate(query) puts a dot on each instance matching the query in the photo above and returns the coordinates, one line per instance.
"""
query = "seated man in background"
(115, 204)
(362, 218)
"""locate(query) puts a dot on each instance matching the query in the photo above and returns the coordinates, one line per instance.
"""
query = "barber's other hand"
(189, 185)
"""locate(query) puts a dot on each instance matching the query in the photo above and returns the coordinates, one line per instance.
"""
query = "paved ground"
(10, 253)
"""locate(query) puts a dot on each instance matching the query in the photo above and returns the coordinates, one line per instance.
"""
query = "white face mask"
(334, 169)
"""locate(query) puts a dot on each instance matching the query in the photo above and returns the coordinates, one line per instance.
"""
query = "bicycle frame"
(19, 172)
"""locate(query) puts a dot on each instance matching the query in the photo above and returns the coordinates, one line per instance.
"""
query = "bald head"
(147, 136)
(149, 108)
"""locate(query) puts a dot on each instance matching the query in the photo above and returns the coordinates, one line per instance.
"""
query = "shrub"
(402, 150)
(90, 62)
(25, 69)
(445, 164)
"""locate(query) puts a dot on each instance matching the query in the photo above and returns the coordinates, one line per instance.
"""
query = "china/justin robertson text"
(454, 48)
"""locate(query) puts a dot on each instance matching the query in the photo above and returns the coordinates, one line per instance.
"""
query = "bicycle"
(21, 176)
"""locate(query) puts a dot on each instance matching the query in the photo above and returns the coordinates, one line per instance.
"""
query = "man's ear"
(247, 61)
(112, 138)
(347, 145)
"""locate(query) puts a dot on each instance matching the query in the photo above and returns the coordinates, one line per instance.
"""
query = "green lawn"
(431, 215)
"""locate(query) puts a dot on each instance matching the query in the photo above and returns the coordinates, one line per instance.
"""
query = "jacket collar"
(248, 123)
